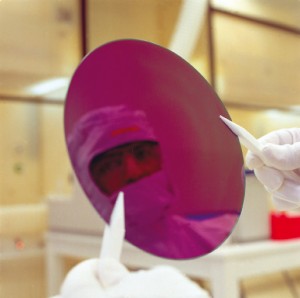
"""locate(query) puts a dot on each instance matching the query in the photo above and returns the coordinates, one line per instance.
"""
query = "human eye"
(142, 152)
(109, 165)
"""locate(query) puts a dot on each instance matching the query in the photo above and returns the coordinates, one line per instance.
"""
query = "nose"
(133, 170)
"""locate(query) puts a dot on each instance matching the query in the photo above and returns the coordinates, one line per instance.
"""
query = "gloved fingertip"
(269, 177)
(253, 161)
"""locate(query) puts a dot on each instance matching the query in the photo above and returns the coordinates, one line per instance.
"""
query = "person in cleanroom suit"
(281, 175)
(115, 149)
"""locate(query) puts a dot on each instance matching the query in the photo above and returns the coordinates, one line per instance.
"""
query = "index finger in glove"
(284, 157)
(282, 136)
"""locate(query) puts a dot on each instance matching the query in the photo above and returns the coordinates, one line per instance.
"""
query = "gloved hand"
(107, 278)
(280, 171)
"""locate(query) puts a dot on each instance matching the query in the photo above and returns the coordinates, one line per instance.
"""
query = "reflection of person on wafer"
(115, 149)
(107, 277)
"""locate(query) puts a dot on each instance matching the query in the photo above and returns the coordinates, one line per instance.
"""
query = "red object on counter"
(284, 226)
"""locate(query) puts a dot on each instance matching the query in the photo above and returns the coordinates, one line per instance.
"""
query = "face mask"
(147, 200)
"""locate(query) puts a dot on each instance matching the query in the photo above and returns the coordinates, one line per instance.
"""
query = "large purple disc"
(131, 91)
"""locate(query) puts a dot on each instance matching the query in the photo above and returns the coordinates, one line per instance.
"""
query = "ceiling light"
(48, 86)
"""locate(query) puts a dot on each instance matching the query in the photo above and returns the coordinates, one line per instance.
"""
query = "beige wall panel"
(19, 154)
(33, 156)
(267, 286)
(285, 12)
(39, 37)
(200, 58)
(56, 177)
(23, 278)
(256, 64)
(294, 276)
(150, 20)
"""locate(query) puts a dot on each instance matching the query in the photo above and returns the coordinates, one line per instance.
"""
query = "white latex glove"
(85, 280)
(282, 175)
(106, 277)
(115, 281)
